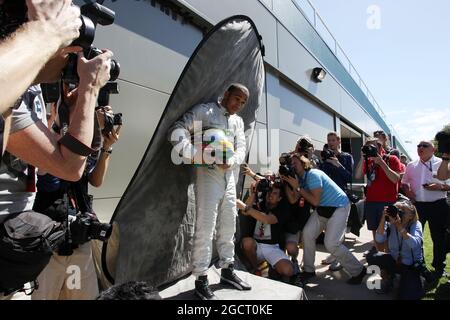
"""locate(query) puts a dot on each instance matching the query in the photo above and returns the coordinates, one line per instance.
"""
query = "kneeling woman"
(399, 226)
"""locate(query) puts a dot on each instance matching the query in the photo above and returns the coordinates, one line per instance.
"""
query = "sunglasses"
(423, 146)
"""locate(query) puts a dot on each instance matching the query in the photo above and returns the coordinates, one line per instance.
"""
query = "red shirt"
(382, 189)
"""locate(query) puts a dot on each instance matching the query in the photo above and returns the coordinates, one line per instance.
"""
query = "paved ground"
(330, 285)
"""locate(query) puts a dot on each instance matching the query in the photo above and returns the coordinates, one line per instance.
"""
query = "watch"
(109, 151)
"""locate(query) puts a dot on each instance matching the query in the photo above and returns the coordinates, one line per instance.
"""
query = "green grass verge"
(441, 289)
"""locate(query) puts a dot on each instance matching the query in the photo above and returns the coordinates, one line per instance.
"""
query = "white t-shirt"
(418, 173)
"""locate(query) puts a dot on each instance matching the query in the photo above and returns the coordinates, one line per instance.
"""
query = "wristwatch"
(109, 151)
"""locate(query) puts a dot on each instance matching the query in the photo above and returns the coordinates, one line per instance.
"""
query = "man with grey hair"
(215, 187)
(421, 185)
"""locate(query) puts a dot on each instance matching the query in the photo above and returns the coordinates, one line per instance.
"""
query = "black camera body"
(392, 211)
(286, 168)
(91, 14)
(111, 121)
(327, 154)
(263, 185)
(370, 151)
(87, 227)
(443, 140)
(83, 228)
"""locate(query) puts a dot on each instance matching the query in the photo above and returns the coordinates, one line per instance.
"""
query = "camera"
(370, 151)
(392, 211)
(70, 74)
(91, 14)
(443, 140)
(83, 228)
(111, 121)
(286, 168)
(263, 185)
(327, 154)
(303, 145)
(86, 227)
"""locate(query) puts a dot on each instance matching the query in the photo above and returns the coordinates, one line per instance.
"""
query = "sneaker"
(329, 260)
(228, 276)
(202, 289)
(335, 266)
(372, 250)
(359, 278)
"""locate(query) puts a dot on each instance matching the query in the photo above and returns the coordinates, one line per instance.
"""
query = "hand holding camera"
(95, 72)
(63, 17)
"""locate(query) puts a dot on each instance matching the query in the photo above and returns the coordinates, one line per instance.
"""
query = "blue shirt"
(410, 250)
(342, 175)
(331, 196)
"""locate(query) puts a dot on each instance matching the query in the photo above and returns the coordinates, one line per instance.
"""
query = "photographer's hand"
(94, 73)
(110, 138)
(293, 182)
(62, 18)
(435, 187)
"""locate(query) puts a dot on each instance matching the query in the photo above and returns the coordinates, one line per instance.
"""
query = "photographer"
(31, 144)
(429, 195)
(267, 219)
(305, 148)
(336, 164)
(332, 208)
(339, 167)
(383, 175)
(399, 226)
(53, 279)
(31, 32)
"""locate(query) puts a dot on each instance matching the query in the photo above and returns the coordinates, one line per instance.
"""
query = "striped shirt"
(331, 196)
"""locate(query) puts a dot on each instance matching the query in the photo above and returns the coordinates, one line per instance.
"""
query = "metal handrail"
(359, 81)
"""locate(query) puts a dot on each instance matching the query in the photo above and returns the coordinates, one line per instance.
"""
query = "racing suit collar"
(223, 110)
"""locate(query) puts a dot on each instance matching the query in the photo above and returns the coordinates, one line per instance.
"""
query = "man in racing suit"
(215, 189)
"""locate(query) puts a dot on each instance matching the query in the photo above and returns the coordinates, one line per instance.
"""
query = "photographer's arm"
(38, 146)
(393, 176)
(97, 175)
(443, 172)
(258, 215)
(292, 196)
(52, 25)
(313, 196)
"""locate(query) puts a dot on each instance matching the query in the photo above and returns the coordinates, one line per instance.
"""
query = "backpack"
(27, 242)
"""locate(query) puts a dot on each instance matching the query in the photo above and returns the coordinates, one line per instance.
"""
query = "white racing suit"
(215, 189)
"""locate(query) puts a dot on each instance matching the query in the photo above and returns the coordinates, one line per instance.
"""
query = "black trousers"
(437, 215)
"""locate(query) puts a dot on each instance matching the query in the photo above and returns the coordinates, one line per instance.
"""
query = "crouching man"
(268, 219)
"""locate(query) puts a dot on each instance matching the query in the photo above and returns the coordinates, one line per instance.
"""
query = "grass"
(441, 289)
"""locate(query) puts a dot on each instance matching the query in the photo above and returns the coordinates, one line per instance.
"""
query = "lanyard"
(430, 168)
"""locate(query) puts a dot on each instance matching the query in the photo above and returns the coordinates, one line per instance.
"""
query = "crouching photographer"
(70, 203)
(400, 227)
(268, 216)
(332, 208)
